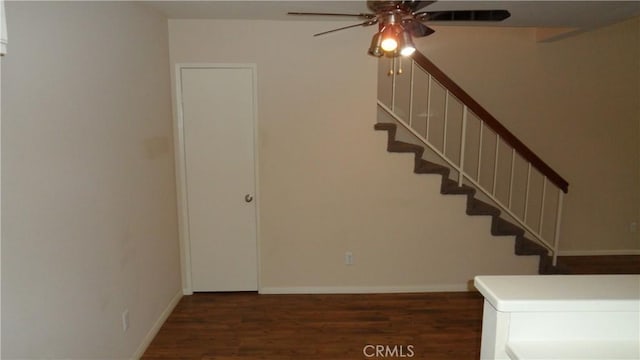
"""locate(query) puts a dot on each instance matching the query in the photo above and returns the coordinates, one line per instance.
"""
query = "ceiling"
(582, 15)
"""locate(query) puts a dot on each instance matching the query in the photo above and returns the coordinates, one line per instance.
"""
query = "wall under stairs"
(409, 236)
(405, 235)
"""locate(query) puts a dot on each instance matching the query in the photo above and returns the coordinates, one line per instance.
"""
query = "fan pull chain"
(399, 66)
(391, 66)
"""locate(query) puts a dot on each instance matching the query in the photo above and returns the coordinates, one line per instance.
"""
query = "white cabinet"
(560, 317)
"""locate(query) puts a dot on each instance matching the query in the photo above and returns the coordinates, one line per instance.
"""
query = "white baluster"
(513, 163)
(463, 140)
(479, 151)
(544, 193)
(446, 117)
(393, 84)
(426, 131)
(495, 166)
(411, 95)
(526, 193)
(556, 240)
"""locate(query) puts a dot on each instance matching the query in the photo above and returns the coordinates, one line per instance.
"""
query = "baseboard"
(157, 325)
(598, 252)
(363, 289)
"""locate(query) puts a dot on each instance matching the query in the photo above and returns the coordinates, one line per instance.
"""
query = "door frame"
(181, 170)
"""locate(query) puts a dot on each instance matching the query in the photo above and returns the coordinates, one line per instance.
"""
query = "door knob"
(248, 198)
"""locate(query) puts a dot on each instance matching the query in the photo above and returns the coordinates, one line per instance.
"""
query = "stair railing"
(514, 177)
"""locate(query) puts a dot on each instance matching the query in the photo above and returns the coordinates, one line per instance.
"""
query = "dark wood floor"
(621, 264)
(250, 326)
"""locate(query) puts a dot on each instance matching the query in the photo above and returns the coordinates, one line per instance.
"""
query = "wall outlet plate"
(125, 320)
(348, 258)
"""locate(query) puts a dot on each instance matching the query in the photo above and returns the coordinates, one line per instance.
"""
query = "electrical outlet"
(348, 258)
(633, 227)
(125, 320)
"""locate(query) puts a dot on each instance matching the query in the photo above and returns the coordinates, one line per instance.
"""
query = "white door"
(218, 107)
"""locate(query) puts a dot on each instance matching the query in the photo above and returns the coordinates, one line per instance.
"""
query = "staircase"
(405, 134)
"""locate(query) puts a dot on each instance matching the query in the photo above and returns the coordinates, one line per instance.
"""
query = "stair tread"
(401, 146)
(450, 187)
(501, 227)
(427, 167)
(479, 207)
(546, 267)
(385, 126)
(525, 246)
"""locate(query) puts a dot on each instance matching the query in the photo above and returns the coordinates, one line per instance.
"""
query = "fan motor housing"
(395, 6)
(383, 6)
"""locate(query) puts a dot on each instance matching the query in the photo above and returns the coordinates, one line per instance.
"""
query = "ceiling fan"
(401, 21)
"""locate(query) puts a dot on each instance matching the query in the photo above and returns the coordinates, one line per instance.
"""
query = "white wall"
(0, 212)
(327, 184)
(88, 201)
(575, 103)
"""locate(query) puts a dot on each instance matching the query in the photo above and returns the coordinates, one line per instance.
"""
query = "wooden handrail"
(491, 121)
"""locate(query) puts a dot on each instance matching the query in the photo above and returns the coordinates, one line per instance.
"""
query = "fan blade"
(366, 23)
(361, 15)
(417, 29)
(463, 15)
(415, 5)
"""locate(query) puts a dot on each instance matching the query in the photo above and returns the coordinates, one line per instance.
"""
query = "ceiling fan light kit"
(406, 44)
(399, 22)
(389, 36)
(376, 45)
